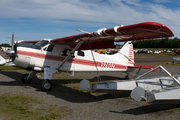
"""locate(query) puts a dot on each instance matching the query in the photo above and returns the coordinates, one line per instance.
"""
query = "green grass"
(172, 111)
(14, 67)
(19, 107)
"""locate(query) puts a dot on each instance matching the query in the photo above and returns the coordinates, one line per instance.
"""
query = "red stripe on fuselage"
(72, 60)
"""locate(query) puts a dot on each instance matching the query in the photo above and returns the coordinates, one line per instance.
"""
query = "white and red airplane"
(74, 53)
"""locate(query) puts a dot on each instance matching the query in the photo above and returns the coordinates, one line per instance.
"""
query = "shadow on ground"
(60, 88)
(152, 108)
(70, 94)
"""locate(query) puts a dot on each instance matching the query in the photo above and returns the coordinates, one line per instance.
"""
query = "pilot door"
(55, 56)
(70, 63)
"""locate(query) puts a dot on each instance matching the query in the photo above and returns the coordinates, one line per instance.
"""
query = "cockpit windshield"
(42, 43)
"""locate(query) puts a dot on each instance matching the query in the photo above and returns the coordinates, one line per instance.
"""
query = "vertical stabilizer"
(128, 52)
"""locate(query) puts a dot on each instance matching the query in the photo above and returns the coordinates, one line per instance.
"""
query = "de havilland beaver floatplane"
(74, 53)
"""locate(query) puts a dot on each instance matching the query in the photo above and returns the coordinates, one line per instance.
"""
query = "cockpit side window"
(50, 48)
(42, 43)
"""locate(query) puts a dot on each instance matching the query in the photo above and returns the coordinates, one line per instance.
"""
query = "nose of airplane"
(10, 52)
(14, 52)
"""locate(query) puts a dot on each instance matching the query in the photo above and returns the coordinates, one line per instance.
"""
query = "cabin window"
(50, 48)
(66, 52)
(80, 53)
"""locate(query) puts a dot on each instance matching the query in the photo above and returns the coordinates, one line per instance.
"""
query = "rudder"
(128, 52)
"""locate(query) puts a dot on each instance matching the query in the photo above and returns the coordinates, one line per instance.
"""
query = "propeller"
(11, 52)
(12, 43)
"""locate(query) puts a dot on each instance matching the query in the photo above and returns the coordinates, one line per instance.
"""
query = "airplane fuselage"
(52, 55)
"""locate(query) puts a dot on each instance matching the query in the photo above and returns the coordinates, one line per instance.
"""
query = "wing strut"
(75, 48)
(98, 77)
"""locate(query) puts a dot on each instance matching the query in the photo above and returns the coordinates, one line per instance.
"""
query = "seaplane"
(75, 53)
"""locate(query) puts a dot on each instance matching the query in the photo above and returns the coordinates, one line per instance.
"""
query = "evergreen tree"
(158, 43)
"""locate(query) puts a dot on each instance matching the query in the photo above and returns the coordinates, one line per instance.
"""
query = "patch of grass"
(54, 111)
(13, 67)
(171, 110)
(136, 56)
(19, 107)
(78, 90)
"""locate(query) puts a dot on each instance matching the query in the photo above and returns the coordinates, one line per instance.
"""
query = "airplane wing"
(105, 38)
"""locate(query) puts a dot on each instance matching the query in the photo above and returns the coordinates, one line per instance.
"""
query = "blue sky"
(38, 19)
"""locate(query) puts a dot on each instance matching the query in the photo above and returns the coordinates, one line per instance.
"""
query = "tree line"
(5, 45)
(157, 43)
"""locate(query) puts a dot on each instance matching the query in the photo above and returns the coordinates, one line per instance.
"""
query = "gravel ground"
(87, 106)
